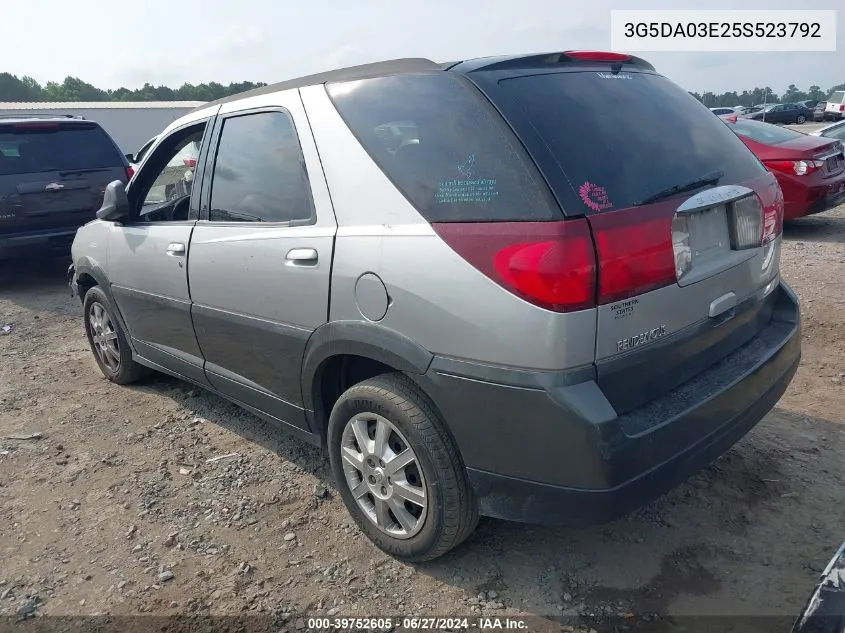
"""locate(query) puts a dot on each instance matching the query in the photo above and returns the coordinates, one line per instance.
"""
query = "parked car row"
(798, 112)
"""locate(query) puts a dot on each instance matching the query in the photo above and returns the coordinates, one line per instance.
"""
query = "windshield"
(25, 149)
(621, 140)
(764, 132)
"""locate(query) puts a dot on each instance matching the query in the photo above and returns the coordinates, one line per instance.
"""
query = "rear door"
(674, 200)
(261, 254)
(53, 173)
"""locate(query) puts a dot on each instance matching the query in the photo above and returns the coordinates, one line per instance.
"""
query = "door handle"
(301, 257)
(175, 249)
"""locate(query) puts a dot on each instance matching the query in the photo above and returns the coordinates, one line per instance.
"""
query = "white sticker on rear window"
(614, 76)
(467, 189)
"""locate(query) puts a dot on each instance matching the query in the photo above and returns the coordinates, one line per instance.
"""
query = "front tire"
(398, 469)
(801, 119)
(108, 341)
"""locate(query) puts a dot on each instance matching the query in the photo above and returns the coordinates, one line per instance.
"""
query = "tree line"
(26, 88)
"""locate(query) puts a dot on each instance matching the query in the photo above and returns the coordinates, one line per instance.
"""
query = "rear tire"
(108, 341)
(399, 471)
(801, 119)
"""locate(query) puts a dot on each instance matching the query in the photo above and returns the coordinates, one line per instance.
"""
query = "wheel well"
(336, 375)
(85, 283)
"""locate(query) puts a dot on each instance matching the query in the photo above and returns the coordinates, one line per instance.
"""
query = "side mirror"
(115, 203)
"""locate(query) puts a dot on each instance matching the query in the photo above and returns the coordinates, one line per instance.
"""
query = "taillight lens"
(772, 221)
(747, 223)
(797, 167)
(635, 252)
(550, 264)
(842, 108)
(129, 173)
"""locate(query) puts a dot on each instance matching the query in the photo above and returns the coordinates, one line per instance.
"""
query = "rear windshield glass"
(59, 148)
(764, 132)
(444, 148)
(836, 97)
(622, 138)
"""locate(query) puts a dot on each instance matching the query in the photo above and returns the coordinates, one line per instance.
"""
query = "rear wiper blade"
(83, 170)
(710, 178)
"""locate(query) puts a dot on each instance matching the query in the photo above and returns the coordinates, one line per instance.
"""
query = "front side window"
(259, 171)
(176, 177)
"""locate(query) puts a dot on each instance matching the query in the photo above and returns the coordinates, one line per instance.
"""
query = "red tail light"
(794, 167)
(635, 251)
(550, 264)
(598, 56)
(772, 201)
(842, 108)
(130, 171)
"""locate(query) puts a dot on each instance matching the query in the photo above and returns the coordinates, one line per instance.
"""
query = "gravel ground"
(118, 509)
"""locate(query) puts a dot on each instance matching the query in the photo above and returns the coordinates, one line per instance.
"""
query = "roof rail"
(41, 115)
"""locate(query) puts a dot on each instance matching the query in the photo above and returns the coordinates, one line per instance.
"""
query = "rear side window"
(46, 146)
(836, 97)
(259, 173)
(764, 132)
(621, 138)
(444, 148)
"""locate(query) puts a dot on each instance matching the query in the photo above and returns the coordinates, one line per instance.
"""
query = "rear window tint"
(444, 148)
(764, 132)
(836, 97)
(619, 139)
(59, 148)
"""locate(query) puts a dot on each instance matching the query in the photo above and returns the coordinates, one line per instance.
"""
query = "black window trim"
(211, 159)
(134, 217)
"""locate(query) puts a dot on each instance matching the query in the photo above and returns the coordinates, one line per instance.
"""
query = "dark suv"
(53, 172)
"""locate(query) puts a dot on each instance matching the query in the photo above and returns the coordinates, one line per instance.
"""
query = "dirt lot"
(116, 510)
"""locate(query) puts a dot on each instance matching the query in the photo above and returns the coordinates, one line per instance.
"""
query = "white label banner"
(722, 31)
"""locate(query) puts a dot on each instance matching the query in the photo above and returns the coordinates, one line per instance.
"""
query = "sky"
(171, 42)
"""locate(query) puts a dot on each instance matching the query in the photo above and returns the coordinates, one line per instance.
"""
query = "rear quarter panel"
(435, 297)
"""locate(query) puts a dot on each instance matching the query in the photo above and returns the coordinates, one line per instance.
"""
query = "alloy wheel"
(104, 337)
(384, 475)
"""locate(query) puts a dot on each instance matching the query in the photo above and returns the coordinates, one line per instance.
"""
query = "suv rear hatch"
(836, 103)
(684, 220)
(53, 173)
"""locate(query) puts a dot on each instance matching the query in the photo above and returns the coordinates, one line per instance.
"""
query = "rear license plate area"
(709, 235)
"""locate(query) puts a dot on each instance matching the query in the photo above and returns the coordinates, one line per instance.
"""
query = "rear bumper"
(46, 243)
(561, 455)
(803, 197)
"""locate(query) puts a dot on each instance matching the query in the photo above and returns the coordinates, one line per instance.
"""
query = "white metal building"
(130, 123)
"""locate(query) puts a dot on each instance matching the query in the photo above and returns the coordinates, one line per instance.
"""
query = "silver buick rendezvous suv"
(482, 286)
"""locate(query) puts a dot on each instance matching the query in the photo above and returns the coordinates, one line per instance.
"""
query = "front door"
(148, 255)
(261, 254)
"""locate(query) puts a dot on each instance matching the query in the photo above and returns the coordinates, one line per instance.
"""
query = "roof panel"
(364, 71)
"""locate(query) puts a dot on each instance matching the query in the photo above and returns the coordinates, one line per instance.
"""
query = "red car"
(810, 169)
